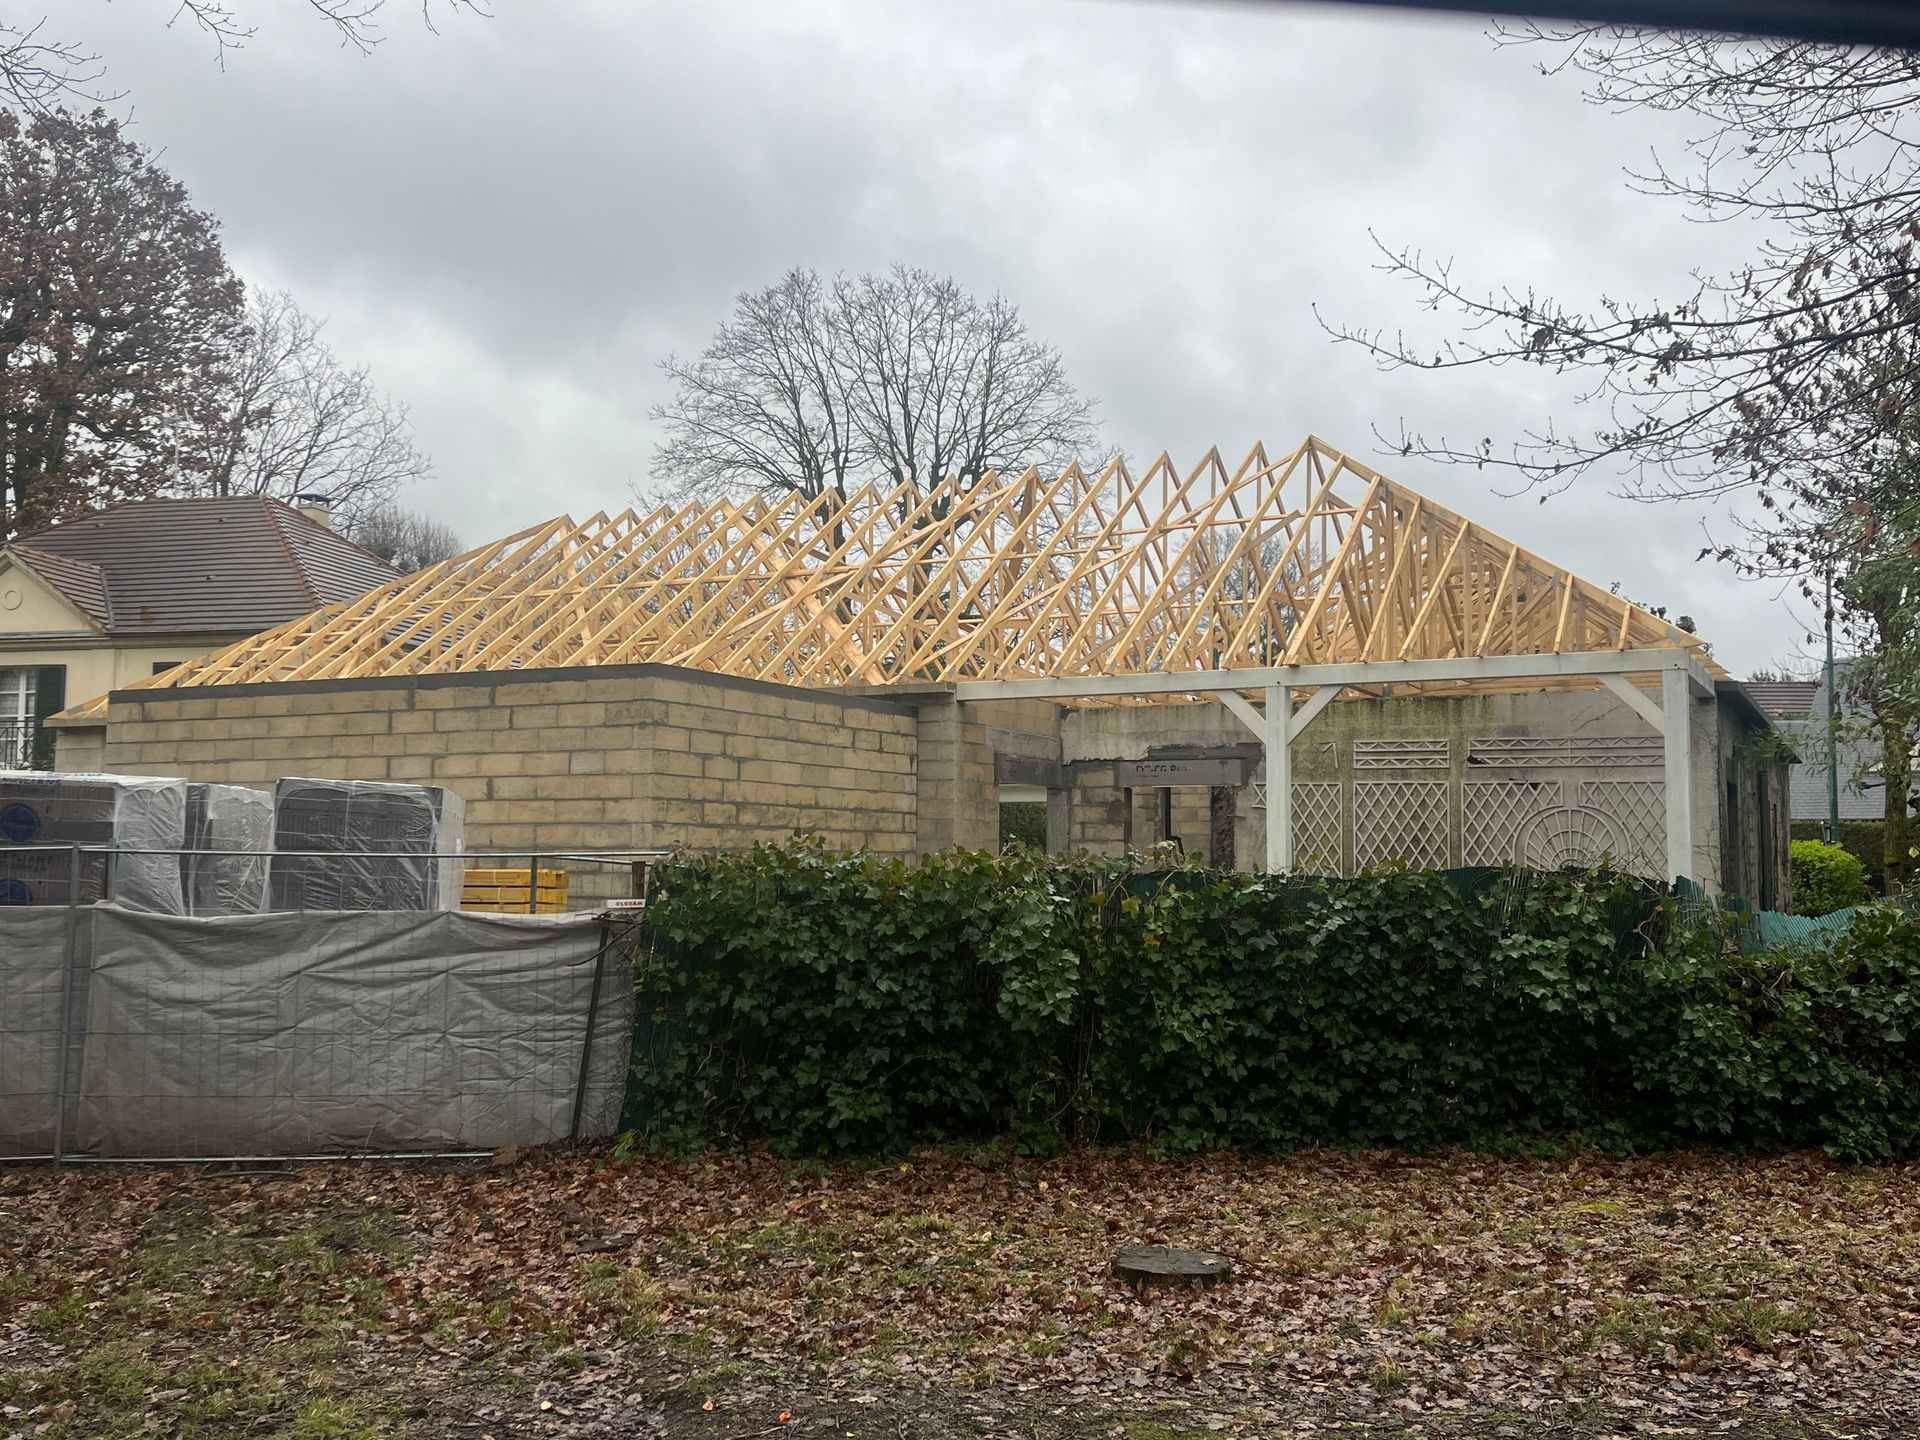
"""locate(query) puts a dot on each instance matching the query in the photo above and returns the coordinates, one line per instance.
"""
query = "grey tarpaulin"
(315, 1032)
(33, 947)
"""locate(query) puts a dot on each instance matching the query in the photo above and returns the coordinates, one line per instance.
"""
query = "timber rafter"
(1305, 558)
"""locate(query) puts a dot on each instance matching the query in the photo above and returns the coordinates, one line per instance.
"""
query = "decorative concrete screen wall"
(1537, 778)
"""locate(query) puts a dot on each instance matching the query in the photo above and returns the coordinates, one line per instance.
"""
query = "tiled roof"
(83, 585)
(1783, 697)
(215, 564)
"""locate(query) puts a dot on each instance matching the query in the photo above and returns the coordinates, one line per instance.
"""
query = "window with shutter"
(17, 716)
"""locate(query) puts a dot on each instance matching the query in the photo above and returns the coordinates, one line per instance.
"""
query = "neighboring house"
(1798, 709)
(101, 602)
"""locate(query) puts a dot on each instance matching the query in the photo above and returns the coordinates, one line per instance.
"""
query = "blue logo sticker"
(19, 823)
(14, 892)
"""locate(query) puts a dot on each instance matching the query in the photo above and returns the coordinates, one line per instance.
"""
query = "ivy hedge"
(848, 1003)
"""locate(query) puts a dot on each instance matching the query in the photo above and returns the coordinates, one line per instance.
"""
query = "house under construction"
(1292, 663)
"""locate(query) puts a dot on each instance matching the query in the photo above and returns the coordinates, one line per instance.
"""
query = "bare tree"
(39, 69)
(405, 539)
(296, 420)
(1784, 378)
(811, 388)
(951, 387)
(766, 405)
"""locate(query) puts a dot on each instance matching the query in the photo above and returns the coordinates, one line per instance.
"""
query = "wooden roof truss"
(1309, 558)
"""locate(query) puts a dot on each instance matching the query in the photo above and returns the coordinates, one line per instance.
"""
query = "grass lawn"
(573, 1293)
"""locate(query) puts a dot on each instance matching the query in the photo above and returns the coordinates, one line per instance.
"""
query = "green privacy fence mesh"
(1761, 930)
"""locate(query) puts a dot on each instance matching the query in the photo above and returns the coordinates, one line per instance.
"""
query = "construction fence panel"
(308, 1033)
(33, 976)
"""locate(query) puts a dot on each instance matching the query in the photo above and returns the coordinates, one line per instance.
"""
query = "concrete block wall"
(957, 797)
(80, 750)
(646, 757)
(1097, 818)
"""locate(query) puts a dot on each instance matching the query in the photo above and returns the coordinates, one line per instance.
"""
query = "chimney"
(314, 506)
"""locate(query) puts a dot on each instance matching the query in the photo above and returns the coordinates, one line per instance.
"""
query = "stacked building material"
(229, 830)
(141, 818)
(504, 892)
(365, 845)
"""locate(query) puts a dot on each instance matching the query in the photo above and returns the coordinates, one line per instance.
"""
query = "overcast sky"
(512, 221)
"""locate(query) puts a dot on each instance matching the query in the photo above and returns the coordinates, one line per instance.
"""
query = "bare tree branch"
(1784, 379)
(406, 539)
(38, 72)
(811, 387)
(295, 420)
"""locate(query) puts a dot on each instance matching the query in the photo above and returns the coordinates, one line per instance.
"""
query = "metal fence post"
(593, 1016)
(63, 1048)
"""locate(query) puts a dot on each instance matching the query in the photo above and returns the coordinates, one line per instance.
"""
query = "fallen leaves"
(1450, 1284)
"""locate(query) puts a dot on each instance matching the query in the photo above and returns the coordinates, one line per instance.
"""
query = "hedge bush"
(847, 1003)
(1865, 840)
(1826, 878)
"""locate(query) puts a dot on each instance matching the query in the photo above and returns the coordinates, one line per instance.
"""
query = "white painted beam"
(1316, 702)
(1677, 704)
(1277, 728)
(1279, 747)
(1636, 700)
(1237, 705)
(1466, 668)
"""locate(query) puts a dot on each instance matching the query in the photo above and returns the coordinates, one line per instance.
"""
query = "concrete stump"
(1146, 1266)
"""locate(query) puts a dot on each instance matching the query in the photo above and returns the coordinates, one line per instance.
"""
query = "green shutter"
(49, 698)
(49, 692)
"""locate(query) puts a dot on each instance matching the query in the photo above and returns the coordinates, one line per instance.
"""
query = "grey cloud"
(512, 222)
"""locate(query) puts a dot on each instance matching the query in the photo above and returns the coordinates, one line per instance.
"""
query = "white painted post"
(1279, 747)
(1676, 704)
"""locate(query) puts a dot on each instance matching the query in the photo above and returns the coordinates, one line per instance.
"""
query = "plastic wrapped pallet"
(366, 845)
(223, 819)
(118, 813)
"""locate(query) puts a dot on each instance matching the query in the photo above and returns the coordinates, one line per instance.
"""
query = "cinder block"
(637, 712)
(454, 697)
(602, 836)
(467, 718)
(676, 762)
(667, 737)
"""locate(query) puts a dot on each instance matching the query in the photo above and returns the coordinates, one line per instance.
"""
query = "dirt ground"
(574, 1292)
